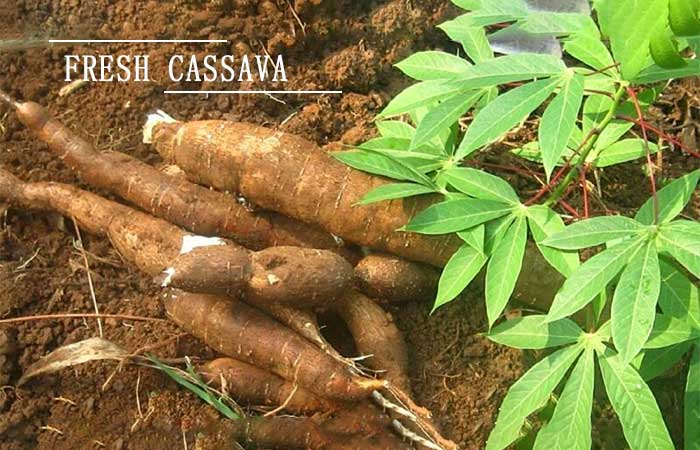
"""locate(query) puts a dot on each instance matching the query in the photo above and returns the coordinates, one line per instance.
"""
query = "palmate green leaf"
(630, 25)
(544, 222)
(679, 297)
(394, 191)
(632, 400)
(422, 94)
(474, 237)
(510, 68)
(672, 199)
(533, 333)
(504, 268)
(504, 113)
(460, 270)
(433, 65)
(691, 402)
(374, 163)
(634, 302)
(591, 278)
(654, 74)
(590, 50)
(654, 362)
(530, 393)
(669, 331)
(473, 40)
(624, 151)
(559, 121)
(570, 427)
(480, 184)
(682, 241)
(456, 215)
(595, 231)
(444, 116)
(396, 129)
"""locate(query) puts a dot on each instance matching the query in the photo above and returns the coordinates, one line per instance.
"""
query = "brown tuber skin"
(396, 280)
(239, 331)
(153, 245)
(292, 176)
(253, 386)
(375, 334)
(172, 198)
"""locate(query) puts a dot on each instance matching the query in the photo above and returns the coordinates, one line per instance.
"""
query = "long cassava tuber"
(254, 386)
(174, 199)
(377, 337)
(395, 280)
(239, 331)
(288, 174)
(155, 246)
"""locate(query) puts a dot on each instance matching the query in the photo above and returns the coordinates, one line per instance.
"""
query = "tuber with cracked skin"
(288, 174)
(155, 246)
(239, 331)
(172, 198)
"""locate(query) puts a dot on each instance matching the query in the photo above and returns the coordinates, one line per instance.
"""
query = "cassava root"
(292, 176)
(154, 246)
(239, 331)
(200, 210)
(377, 337)
(395, 280)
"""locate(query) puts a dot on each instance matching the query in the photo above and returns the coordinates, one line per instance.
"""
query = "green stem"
(586, 150)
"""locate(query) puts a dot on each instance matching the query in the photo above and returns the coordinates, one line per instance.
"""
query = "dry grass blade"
(93, 349)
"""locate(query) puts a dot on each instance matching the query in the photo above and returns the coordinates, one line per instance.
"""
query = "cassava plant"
(585, 74)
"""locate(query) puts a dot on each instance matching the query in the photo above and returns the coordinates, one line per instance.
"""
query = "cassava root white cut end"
(152, 120)
(190, 242)
(167, 277)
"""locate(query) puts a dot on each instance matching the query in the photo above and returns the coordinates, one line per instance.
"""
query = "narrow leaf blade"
(591, 278)
(394, 191)
(559, 120)
(504, 268)
(533, 333)
(595, 231)
(570, 427)
(672, 199)
(632, 400)
(634, 302)
(460, 270)
(480, 184)
(456, 215)
(504, 113)
(530, 393)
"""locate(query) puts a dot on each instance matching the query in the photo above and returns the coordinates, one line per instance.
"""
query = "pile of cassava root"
(249, 281)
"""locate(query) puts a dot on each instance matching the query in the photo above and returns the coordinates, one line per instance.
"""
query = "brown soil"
(343, 44)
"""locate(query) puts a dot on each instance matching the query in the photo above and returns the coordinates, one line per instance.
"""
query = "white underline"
(253, 92)
(134, 41)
